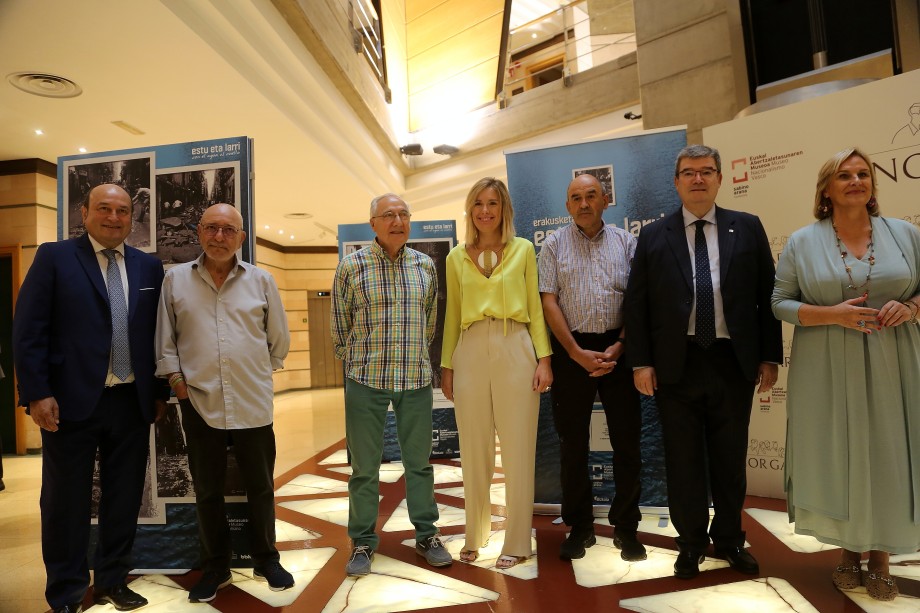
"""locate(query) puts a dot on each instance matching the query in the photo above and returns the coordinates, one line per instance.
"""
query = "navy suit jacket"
(660, 292)
(62, 330)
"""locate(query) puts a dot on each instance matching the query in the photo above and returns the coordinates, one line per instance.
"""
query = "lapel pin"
(730, 230)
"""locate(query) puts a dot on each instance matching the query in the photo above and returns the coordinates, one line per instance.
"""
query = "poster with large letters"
(637, 173)
(170, 187)
(770, 166)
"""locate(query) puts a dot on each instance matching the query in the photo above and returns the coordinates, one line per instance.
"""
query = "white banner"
(770, 164)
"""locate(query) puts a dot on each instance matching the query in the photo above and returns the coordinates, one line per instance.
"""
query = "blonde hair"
(824, 208)
(472, 234)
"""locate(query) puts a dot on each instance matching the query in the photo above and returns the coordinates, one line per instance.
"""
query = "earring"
(825, 207)
(872, 203)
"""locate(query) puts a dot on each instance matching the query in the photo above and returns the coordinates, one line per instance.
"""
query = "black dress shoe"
(70, 608)
(630, 548)
(573, 547)
(740, 560)
(688, 563)
(121, 597)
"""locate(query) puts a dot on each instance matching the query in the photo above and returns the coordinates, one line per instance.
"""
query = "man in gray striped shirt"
(584, 268)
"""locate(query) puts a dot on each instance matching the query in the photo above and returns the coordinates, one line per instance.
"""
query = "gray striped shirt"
(588, 275)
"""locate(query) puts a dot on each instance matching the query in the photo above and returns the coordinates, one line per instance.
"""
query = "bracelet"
(620, 340)
(913, 311)
(175, 378)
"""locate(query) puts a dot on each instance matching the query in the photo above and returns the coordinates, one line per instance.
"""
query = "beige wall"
(686, 68)
(296, 274)
(28, 217)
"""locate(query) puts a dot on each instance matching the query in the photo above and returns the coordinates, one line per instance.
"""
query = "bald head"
(586, 203)
(221, 233)
(222, 211)
(585, 180)
(107, 214)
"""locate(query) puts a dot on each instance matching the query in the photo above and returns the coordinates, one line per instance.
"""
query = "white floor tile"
(396, 586)
(768, 595)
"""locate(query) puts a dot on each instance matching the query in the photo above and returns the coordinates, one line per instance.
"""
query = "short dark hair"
(698, 151)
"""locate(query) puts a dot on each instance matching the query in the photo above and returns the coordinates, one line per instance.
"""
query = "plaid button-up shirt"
(383, 317)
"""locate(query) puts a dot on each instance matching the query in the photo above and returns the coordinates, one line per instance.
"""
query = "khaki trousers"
(493, 391)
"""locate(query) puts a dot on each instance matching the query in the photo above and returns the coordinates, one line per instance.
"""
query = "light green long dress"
(853, 407)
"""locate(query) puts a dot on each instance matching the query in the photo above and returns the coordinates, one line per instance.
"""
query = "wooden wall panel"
(446, 20)
(467, 49)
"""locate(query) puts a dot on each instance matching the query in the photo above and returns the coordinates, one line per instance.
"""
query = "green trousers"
(365, 416)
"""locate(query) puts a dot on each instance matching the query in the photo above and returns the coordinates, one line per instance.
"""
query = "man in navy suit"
(702, 337)
(90, 388)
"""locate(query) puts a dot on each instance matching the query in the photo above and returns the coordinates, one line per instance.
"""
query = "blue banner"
(637, 174)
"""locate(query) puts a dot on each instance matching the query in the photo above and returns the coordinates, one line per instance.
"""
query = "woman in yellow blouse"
(494, 366)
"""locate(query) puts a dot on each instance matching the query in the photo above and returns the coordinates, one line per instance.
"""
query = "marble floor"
(311, 477)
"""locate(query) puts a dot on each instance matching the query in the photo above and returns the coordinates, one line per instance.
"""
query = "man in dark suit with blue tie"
(702, 337)
(83, 349)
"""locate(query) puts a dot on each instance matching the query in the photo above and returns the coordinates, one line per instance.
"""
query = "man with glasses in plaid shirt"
(383, 321)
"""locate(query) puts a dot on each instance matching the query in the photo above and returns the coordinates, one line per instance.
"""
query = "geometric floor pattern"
(312, 511)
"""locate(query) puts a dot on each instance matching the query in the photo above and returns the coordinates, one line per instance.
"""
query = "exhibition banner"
(170, 187)
(435, 239)
(770, 164)
(637, 173)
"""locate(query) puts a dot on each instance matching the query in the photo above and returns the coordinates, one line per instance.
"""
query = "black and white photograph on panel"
(182, 195)
(604, 174)
(133, 172)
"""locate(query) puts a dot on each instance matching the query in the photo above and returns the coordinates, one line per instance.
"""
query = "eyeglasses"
(212, 230)
(390, 216)
(705, 173)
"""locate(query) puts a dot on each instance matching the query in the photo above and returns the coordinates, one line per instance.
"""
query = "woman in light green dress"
(850, 283)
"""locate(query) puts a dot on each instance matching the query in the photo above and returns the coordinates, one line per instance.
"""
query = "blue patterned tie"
(705, 304)
(121, 350)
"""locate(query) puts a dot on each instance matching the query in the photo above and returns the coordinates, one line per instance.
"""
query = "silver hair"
(377, 200)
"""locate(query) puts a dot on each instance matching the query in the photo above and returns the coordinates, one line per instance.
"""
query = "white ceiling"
(191, 70)
(186, 71)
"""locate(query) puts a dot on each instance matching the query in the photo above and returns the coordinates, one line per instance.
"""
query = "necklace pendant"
(487, 260)
(871, 260)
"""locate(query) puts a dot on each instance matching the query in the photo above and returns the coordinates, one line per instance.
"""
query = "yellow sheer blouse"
(510, 293)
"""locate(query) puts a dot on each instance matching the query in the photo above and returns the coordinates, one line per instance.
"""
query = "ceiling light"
(412, 149)
(446, 150)
(280, 231)
(39, 132)
(82, 149)
(127, 127)
(292, 237)
(298, 216)
(534, 35)
(268, 227)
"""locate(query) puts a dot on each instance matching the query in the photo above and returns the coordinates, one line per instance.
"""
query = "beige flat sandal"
(505, 562)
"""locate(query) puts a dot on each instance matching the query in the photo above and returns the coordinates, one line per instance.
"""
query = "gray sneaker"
(360, 563)
(433, 550)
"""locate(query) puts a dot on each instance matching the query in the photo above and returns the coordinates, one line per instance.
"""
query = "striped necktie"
(121, 350)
